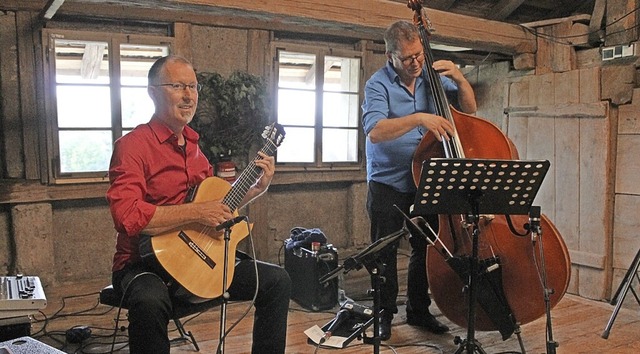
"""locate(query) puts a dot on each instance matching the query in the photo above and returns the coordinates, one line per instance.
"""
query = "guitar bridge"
(196, 249)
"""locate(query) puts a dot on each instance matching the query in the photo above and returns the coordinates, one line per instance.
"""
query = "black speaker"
(305, 268)
(14, 327)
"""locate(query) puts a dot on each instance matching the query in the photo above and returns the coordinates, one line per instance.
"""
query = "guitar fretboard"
(247, 178)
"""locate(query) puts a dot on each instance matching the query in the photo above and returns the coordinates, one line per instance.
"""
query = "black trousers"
(150, 310)
(385, 220)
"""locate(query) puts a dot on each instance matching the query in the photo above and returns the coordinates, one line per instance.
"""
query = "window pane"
(296, 70)
(340, 110)
(337, 114)
(137, 107)
(85, 151)
(83, 106)
(339, 145)
(136, 60)
(298, 145)
(296, 107)
(341, 74)
(88, 117)
(81, 62)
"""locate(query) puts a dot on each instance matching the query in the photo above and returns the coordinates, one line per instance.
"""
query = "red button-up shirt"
(148, 168)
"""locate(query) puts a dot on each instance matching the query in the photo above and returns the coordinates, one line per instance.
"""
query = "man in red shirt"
(152, 170)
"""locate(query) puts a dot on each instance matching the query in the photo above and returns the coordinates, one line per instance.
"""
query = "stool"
(108, 296)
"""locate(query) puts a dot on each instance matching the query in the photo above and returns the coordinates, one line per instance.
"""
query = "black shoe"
(430, 323)
(384, 330)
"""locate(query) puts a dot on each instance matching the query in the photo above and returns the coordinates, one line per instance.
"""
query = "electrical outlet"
(618, 51)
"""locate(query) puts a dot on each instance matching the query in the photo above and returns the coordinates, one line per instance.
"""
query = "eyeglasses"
(409, 60)
(180, 86)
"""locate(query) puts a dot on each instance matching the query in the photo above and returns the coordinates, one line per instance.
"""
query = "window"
(97, 91)
(318, 104)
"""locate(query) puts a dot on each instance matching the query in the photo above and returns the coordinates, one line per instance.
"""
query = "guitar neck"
(247, 178)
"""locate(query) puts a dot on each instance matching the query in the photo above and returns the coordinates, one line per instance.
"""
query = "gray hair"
(400, 31)
(156, 68)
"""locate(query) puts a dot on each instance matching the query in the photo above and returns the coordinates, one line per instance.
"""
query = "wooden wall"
(581, 114)
(64, 233)
(570, 108)
(558, 117)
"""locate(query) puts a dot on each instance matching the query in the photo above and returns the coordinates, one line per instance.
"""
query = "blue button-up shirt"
(385, 97)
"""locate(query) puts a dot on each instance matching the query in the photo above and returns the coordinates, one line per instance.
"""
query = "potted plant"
(231, 116)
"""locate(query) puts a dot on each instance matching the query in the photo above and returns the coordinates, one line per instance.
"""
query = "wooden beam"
(21, 5)
(503, 9)
(358, 19)
(50, 9)
(446, 4)
(555, 21)
(621, 29)
(183, 45)
(28, 83)
(596, 34)
(450, 28)
(568, 110)
(35, 192)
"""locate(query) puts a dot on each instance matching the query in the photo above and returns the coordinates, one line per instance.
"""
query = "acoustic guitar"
(193, 255)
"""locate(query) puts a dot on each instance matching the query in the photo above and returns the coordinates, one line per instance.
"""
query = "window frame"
(114, 40)
(320, 50)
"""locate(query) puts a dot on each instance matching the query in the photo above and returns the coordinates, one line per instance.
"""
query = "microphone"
(341, 316)
(534, 222)
(227, 224)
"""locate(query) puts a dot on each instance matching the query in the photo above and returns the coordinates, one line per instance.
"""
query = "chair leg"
(186, 335)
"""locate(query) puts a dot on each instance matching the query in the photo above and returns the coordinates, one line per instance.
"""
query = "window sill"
(16, 192)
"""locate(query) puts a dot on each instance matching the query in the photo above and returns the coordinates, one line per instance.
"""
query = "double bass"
(519, 253)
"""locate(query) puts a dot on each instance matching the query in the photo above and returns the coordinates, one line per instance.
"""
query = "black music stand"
(622, 291)
(368, 258)
(473, 187)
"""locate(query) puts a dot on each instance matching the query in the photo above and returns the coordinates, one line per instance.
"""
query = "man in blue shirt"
(397, 110)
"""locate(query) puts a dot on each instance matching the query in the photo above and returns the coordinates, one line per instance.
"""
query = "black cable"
(557, 39)
(513, 229)
(53, 335)
(280, 255)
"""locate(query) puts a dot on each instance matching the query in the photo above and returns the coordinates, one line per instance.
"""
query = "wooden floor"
(577, 326)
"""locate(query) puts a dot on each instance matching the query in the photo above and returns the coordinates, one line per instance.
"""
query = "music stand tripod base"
(472, 187)
(622, 291)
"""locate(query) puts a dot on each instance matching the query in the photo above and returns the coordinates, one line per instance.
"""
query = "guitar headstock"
(274, 132)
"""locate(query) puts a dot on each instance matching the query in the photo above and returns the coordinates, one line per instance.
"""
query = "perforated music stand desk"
(472, 187)
(478, 186)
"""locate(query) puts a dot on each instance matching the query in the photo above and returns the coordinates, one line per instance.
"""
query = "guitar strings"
(239, 189)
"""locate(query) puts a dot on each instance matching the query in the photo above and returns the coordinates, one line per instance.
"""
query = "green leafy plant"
(231, 115)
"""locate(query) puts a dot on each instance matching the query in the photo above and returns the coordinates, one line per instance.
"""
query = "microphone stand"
(225, 274)
(536, 234)
(368, 258)
(375, 269)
